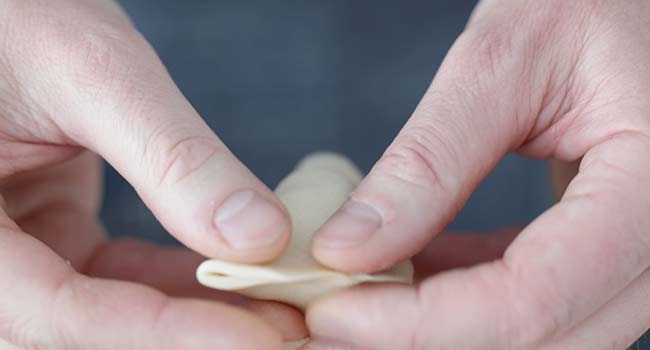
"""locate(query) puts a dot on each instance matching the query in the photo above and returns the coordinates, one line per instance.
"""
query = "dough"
(312, 193)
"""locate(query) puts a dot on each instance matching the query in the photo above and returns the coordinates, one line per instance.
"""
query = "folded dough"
(312, 193)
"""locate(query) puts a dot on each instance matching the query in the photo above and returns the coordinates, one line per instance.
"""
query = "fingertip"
(361, 317)
(381, 225)
(352, 225)
(328, 319)
(285, 319)
(350, 260)
(199, 191)
(219, 326)
(340, 241)
(224, 212)
(252, 227)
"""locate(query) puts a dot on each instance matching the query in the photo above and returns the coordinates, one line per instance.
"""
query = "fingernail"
(246, 220)
(352, 225)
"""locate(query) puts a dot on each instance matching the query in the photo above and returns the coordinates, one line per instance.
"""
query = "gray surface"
(277, 80)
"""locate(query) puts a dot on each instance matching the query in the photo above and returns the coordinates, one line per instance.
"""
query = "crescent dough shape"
(312, 193)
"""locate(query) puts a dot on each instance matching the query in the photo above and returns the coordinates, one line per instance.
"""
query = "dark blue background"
(279, 79)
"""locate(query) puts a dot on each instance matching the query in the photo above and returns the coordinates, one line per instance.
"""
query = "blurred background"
(279, 79)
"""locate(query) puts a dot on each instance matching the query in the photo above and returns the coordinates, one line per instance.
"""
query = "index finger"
(561, 269)
(52, 305)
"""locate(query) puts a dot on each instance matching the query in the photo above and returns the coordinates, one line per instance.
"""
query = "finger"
(166, 268)
(453, 250)
(66, 228)
(75, 182)
(58, 205)
(447, 146)
(172, 271)
(77, 237)
(116, 98)
(560, 270)
(363, 321)
(290, 324)
(625, 319)
(53, 306)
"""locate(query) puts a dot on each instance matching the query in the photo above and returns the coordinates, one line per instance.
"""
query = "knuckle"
(411, 164)
(91, 51)
(416, 157)
(94, 57)
(496, 66)
(485, 51)
(491, 49)
(94, 43)
(175, 153)
(101, 60)
(100, 53)
(501, 37)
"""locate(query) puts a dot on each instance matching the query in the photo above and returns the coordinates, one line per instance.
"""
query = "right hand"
(76, 76)
(562, 80)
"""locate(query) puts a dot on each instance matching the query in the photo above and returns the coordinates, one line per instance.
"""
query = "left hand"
(77, 80)
(565, 80)
(119, 285)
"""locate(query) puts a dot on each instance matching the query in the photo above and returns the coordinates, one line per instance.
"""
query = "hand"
(76, 77)
(565, 80)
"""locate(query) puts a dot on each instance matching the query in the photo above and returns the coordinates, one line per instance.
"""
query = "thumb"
(465, 123)
(115, 97)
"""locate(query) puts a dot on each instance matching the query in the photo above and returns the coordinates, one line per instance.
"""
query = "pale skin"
(561, 80)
